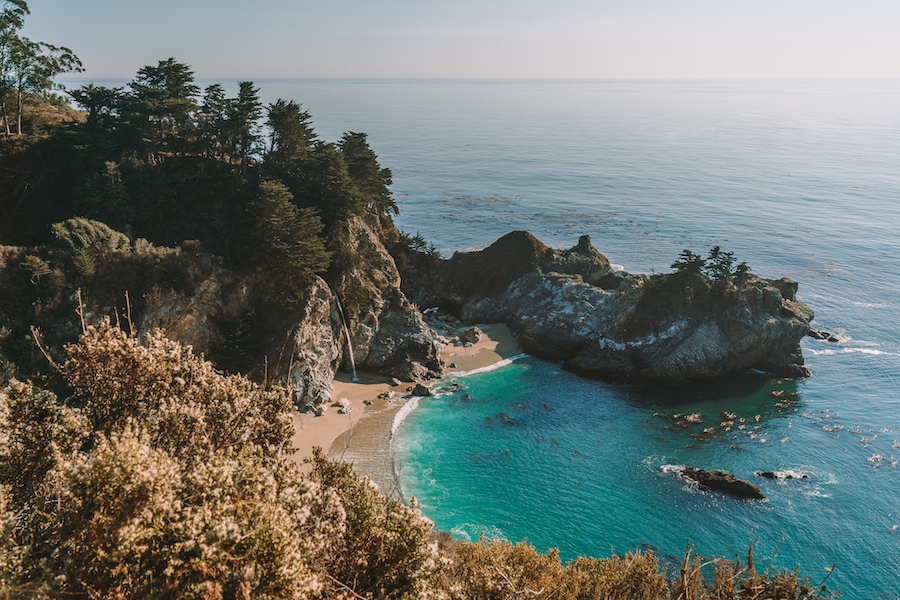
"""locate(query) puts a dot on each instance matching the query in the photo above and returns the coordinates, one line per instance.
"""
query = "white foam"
(790, 473)
(404, 412)
(832, 352)
(872, 304)
(677, 469)
(492, 367)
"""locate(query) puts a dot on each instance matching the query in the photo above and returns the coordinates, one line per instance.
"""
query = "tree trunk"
(19, 112)
(5, 118)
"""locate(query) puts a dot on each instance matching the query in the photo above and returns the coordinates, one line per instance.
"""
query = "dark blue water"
(797, 178)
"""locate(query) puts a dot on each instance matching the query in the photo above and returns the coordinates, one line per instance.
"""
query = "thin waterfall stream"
(346, 333)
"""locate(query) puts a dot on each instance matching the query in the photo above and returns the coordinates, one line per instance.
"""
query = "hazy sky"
(479, 38)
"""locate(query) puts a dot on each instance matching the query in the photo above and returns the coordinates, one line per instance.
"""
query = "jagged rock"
(823, 335)
(389, 334)
(317, 346)
(723, 481)
(420, 390)
(569, 306)
(471, 335)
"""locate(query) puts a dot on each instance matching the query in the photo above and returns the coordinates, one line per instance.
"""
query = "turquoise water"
(797, 178)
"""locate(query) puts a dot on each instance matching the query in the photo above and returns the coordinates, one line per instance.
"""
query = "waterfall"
(347, 333)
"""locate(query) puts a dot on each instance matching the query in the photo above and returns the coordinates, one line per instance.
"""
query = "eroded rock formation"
(570, 306)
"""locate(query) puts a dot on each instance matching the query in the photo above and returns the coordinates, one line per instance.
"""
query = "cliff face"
(308, 345)
(569, 306)
(388, 333)
(233, 317)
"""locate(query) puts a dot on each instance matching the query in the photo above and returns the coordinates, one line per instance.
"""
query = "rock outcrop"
(307, 345)
(570, 306)
(388, 333)
(723, 481)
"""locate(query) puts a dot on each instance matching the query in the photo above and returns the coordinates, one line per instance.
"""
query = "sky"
(478, 38)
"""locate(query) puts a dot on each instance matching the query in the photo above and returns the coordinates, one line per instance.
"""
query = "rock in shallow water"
(723, 481)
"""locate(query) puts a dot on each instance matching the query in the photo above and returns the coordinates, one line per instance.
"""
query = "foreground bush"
(159, 477)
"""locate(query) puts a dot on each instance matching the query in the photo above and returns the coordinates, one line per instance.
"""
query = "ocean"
(799, 178)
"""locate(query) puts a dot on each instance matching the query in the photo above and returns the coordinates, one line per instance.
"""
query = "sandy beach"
(362, 437)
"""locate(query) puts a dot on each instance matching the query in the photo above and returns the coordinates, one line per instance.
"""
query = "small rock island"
(571, 306)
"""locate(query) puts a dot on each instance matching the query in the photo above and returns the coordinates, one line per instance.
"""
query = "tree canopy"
(26, 66)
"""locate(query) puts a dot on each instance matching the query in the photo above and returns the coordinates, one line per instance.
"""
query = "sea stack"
(570, 306)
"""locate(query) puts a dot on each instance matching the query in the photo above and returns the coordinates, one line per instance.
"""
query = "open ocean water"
(797, 178)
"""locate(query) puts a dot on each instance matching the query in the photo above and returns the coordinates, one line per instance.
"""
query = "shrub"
(384, 550)
(79, 233)
(36, 267)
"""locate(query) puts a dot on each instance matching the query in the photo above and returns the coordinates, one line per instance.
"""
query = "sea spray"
(347, 333)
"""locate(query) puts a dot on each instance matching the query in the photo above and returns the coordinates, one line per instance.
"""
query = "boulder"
(723, 481)
(420, 390)
(471, 335)
(825, 336)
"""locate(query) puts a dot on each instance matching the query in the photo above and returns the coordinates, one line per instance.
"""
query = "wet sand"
(363, 436)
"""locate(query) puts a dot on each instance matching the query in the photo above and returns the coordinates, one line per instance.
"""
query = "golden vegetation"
(156, 476)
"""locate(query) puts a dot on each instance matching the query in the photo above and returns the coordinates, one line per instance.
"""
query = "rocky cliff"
(569, 306)
(232, 315)
(307, 345)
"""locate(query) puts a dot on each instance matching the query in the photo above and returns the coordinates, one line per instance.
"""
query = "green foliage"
(188, 409)
(101, 102)
(284, 240)
(719, 264)
(159, 109)
(84, 262)
(239, 342)
(689, 264)
(383, 551)
(243, 114)
(36, 267)
(291, 137)
(717, 267)
(372, 181)
(417, 243)
(80, 233)
(26, 67)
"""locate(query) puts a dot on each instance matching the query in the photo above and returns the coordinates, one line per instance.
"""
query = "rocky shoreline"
(387, 307)
(570, 306)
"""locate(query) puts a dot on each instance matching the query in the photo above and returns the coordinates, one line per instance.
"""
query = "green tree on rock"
(719, 264)
(372, 181)
(689, 263)
(285, 240)
(291, 137)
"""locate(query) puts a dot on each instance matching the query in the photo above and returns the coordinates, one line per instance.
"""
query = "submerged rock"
(723, 481)
(825, 336)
